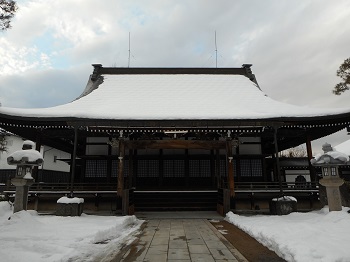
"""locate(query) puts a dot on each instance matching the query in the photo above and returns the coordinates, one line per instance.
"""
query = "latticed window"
(223, 167)
(245, 167)
(194, 168)
(126, 168)
(256, 167)
(333, 171)
(325, 171)
(174, 168)
(251, 167)
(115, 165)
(147, 168)
(114, 168)
(90, 168)
(223, 170)
(205, 168)
(199, 168)
(96, 168)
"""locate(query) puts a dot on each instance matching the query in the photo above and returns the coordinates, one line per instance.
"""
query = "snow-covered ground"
(314, 236)
(28, 236)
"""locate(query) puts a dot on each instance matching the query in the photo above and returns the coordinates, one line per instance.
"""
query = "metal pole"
(277, 161)
(74, 155)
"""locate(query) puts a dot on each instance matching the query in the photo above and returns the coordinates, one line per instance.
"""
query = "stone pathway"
(179, 240)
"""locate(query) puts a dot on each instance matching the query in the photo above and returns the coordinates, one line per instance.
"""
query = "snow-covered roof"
(344, 147)
(174, 97)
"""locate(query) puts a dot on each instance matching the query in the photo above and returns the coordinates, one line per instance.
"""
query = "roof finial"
(129, 52)
(96, 71)
(216, 52)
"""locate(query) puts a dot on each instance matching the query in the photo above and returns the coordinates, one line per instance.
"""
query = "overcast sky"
(295, 46)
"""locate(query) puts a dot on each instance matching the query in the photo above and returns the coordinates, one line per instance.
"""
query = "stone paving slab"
(172, 240)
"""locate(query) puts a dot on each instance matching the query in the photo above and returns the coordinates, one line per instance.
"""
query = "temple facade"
(167, 138)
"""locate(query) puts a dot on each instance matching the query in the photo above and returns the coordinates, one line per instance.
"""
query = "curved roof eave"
(343, 118)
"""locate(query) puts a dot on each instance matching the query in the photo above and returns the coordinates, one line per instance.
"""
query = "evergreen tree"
(2, 142)
(344, 73)
(8, 9)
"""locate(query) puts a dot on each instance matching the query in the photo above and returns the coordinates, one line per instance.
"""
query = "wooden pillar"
(212, 168)
(309, 157)
(120, 187)
(277, 161)
(134, 168)
(109, 164)
(217, 168)
(161, 168)
(73, 158)
(187, 168)
(131, 168)
(35, 172)
(229, 160)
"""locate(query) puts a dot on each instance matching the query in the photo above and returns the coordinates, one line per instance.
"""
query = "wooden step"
(175, 200)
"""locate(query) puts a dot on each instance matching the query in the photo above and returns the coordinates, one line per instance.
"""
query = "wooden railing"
(240, 187)
(275, 186)
(66, 187)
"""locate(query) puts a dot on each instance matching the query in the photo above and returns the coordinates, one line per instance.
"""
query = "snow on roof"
(174, 97)
(344, 147)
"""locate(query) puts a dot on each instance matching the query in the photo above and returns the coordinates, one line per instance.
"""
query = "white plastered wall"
(51, 155)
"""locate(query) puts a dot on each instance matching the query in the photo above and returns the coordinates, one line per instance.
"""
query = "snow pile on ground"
(303, 237)
(28, 236)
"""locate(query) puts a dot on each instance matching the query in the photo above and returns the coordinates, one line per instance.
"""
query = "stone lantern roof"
(26, 156)
(330, 157)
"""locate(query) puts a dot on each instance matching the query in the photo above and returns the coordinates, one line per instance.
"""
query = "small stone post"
(330, 162)
(25, 160)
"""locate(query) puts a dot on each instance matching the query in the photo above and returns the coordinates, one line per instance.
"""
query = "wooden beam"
(120, 186)
(230, 167)
(175, 144)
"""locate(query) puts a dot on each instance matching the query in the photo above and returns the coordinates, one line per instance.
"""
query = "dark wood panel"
(175, 144)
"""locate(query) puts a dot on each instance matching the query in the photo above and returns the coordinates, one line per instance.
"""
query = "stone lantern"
(25, 160)
(329, 163)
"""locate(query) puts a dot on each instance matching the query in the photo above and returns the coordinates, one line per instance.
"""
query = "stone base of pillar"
(21, 197)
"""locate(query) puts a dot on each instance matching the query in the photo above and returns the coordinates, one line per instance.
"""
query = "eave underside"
(59, 132)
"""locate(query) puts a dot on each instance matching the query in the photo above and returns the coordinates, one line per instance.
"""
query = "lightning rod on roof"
(129, 52)
(216, 52)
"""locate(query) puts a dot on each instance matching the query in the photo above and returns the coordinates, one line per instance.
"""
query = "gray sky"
(295, 46)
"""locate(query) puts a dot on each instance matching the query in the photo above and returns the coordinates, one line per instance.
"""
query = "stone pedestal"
(69, 206)
(22, 188)
(71, 209)
(282, 207)
(333, 193)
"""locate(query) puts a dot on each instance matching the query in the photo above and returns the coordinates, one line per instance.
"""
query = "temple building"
(175, 138)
